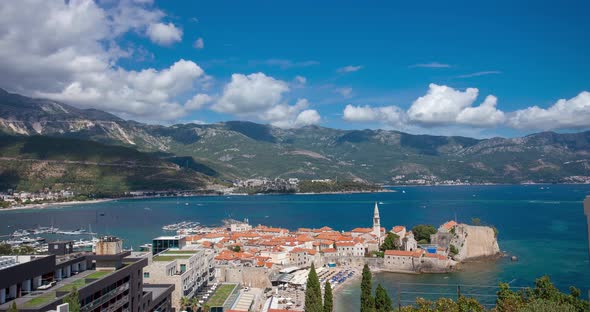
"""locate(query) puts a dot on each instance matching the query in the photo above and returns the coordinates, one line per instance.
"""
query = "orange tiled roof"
(309, 251)
(437, 256)
(449, 225)
(328, 250)
(398, 229)
(362, 230)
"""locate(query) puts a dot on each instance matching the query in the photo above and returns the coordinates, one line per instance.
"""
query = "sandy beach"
(57, 204)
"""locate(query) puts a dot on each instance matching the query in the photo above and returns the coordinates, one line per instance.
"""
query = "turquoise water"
(543, 225)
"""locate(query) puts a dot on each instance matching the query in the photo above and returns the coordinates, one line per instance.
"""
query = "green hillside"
(35, 163)
(241, 150)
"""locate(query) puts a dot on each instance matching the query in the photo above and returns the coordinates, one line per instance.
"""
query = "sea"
(544, 226)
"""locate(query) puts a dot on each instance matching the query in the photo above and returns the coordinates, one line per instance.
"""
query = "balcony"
(104, 298)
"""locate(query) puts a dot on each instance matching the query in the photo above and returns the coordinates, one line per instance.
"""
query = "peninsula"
(264, 257)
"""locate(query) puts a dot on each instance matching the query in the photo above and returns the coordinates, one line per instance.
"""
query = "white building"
(190, 270)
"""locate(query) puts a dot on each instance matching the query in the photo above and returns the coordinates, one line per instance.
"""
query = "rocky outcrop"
(474, 242)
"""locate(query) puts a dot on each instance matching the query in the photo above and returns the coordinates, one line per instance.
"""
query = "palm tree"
(185, 302)
(195, 305)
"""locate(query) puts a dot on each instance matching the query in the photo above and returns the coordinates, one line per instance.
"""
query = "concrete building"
(401, 260)
(162, 243)
(350, 249)
(110, 280)
(189, 270)
(304, 257)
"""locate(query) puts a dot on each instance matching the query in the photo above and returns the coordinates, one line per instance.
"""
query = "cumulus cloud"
(571, 113)
(68, 51)
(484, 115)
(441, 106)
(199, 44)
(390, 115)
(251, 93)
(261, 97)
(307, 117)
(164, 34)
(198, 101)
(148, 92)
(349, 68)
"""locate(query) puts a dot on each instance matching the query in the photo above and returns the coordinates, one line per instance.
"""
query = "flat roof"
(156, 290)
(168, 237)
(179, 252)
(169, 257)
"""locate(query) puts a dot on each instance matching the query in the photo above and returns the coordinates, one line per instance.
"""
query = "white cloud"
(164, 34)
(258, 96)
(198, 101)
(484, 115)
(349, 68)
(68, 51)
(247, 94)
(441, 105)
(390, 115)
(199, 44)
(431, 65)
(571, 113)
(144, 93)
(307, 117)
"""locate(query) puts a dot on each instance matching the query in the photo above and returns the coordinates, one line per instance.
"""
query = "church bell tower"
(376, 222)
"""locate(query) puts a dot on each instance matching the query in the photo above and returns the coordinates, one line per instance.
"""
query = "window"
(146, 274)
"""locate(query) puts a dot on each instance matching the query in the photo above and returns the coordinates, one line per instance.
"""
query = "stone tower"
(376, 222)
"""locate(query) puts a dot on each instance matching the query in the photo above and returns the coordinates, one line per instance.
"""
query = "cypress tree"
(328, 301)
(73, 300)
(12, 307)
(367, 301)
(382, 300)
(313, 292)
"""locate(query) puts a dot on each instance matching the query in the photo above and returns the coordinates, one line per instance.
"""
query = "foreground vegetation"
(8, 250)
(544, 297)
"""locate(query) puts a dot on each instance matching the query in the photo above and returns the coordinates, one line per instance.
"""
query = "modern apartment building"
(109, 280)
(189, 270)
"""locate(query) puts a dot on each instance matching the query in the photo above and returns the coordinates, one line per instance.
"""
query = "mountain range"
(240, 149)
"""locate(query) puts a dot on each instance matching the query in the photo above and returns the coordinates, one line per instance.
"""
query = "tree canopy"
(391, 242)
(382, 300)
(73, 300)
(422, 232)
(544, 297)
(313, 292)
(367, 300)
(328, 300)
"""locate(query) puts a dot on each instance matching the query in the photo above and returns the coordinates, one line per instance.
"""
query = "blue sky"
(368, 55)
